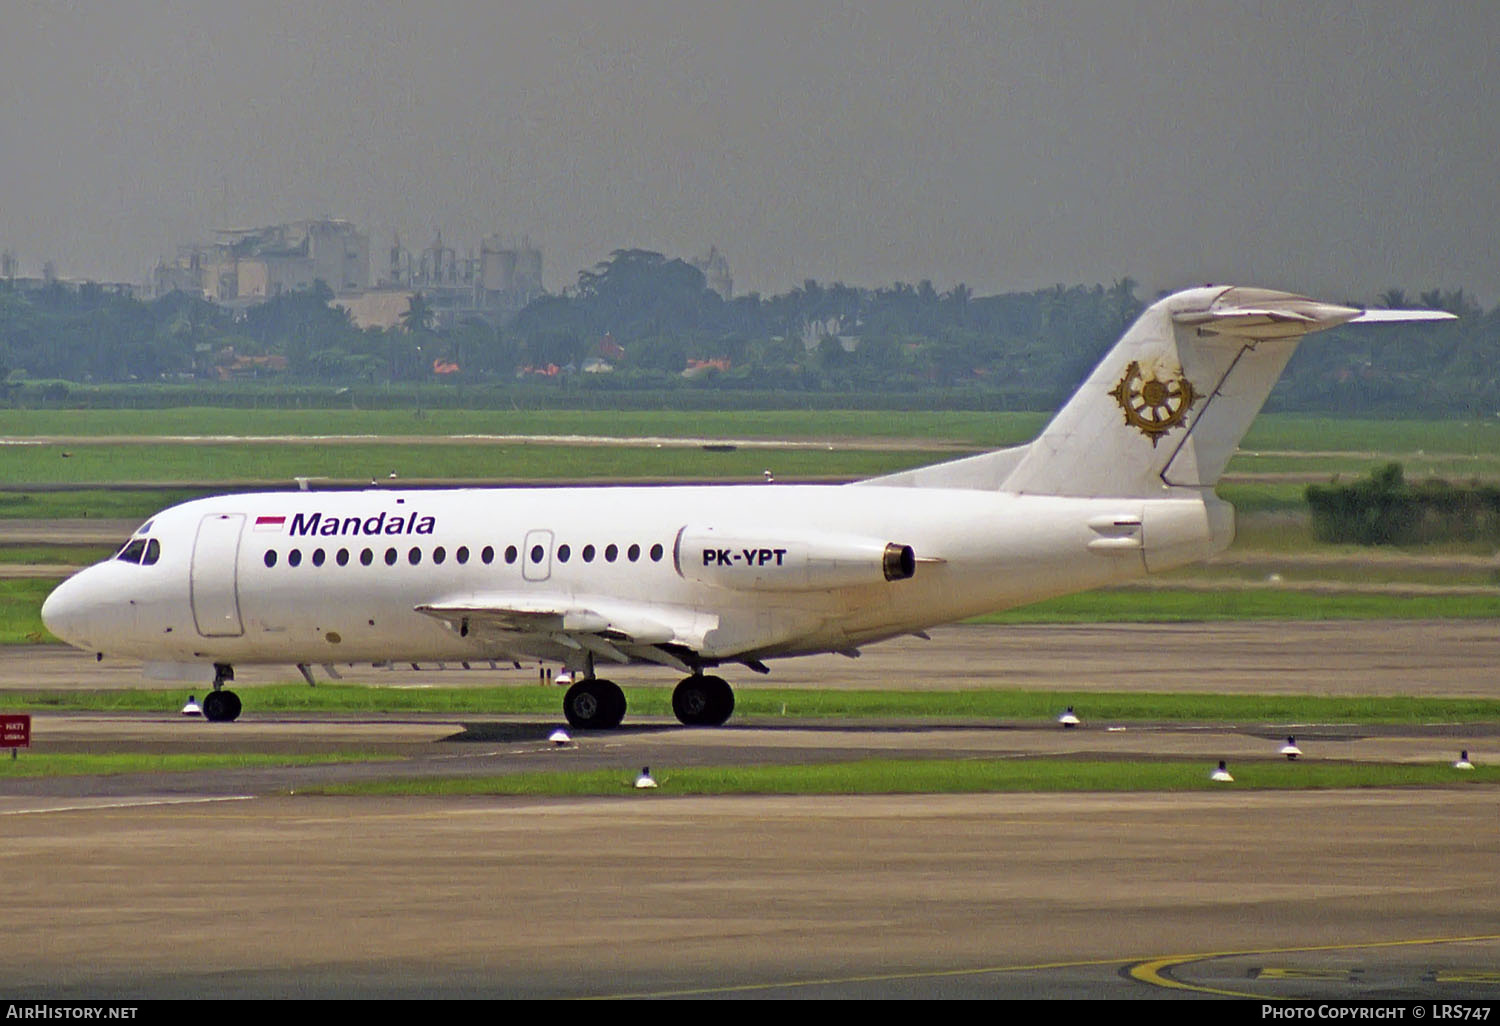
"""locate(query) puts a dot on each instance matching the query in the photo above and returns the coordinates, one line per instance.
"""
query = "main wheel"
(594, 704)
(221, 706)
(703, 701)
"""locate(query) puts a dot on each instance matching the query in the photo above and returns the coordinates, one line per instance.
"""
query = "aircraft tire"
(703, 701)
(594, 704)
(221, 706)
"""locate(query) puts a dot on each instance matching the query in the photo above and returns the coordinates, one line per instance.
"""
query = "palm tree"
(419, 315)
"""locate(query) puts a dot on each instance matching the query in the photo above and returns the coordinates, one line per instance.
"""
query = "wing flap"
(608, 620)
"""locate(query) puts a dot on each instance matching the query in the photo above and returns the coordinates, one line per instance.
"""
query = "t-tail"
(1164, 411)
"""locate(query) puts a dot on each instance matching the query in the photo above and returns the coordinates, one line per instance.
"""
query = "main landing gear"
(594, 704)
(597, 704)
(221, 706)
(703, 701)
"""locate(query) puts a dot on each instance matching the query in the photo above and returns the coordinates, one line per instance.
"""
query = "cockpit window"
(141, 551)
(133, 550)
(145, 528)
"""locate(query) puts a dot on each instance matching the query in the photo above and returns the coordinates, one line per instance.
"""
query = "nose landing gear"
(220, 706)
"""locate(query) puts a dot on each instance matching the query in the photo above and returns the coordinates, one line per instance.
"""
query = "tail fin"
(1167, 406)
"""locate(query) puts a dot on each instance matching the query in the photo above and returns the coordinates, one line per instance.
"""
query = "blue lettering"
(305, 525)
(328, 525)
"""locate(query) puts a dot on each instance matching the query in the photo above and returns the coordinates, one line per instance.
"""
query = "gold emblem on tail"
(1151, 405)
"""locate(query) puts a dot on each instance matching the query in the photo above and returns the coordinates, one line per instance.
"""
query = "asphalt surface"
(231, 883)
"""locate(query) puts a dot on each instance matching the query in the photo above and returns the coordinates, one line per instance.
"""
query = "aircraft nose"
(64, 612)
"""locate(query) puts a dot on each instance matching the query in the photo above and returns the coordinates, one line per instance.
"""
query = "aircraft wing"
(612, 629)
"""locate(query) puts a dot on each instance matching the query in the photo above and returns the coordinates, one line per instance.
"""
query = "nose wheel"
(220, 706)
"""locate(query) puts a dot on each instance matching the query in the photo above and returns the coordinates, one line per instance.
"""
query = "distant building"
(251, 265)
(716, 270)
(12, 278)
(492, 286)
(376, 308)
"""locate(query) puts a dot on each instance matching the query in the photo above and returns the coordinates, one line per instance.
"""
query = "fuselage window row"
(139, 551)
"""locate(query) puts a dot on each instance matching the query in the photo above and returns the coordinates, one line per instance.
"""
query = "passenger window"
(317, 557)
(488, 555)
(390, 557)
(656, 552)
(294, 558)
(610, 552)
(342, 559)
(563, 552)
(153, 553)
(462, 555)
(414, 556)
(537, 552)
(366, 557)
(439, 554)
(270, 557)
(511, 553)
(588, 553)
(633, 553)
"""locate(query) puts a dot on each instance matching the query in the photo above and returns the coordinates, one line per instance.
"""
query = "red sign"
(15, 731)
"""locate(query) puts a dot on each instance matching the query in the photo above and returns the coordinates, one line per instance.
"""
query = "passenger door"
(215, 576)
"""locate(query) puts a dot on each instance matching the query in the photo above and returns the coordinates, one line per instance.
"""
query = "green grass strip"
(892, 776)
(1170, 605)
(65, 764)
(760, 704)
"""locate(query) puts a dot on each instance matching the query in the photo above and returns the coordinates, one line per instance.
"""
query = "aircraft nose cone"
(63, 613)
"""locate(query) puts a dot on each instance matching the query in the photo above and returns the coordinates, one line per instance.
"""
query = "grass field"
(1277, 432)
(60, 764)
(278, 464)
(770, 703)
(893, 776)
(979, 429)
(1163, 604)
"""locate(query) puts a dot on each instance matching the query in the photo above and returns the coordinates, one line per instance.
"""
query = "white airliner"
(1118, 486)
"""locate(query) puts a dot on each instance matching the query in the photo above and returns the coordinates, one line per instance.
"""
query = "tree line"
(642, 321)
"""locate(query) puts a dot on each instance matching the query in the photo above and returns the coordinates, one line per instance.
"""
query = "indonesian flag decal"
(270, 523)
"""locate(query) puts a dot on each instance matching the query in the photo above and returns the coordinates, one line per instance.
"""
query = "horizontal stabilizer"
(1397, 316)
(1261, 314)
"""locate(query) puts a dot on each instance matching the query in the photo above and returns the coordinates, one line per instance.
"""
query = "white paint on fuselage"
(977, 551)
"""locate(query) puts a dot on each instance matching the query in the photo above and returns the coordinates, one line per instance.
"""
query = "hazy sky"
(1335, 147)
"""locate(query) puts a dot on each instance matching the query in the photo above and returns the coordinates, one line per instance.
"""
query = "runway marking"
(1466, 976)
(131, 803)
(1142, 971)
(933, 974)
(1152, 972)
